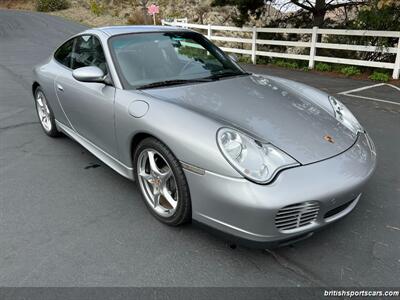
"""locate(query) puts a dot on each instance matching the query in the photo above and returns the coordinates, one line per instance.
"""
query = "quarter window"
(64, 53)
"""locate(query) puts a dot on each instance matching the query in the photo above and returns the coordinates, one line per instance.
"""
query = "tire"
(45, 114)
(149, 182)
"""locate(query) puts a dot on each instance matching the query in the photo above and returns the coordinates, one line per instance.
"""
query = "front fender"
(312, 94)
(43, 75)
(190, 135)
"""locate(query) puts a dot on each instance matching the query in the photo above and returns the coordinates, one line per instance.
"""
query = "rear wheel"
(45, 114)
(162, 183)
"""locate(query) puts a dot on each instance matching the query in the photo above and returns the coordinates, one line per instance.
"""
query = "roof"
(115, 30)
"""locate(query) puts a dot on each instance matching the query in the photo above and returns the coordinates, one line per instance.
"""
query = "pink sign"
(153, 9)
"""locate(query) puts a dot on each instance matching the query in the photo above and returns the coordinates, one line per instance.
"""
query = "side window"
(88, 52)
(64, 53)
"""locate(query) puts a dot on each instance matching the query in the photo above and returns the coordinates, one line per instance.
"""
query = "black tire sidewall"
(183, 212)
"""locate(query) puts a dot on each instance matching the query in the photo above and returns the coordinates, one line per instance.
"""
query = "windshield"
(143, 59)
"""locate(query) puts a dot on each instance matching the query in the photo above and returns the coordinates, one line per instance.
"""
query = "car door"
(88, 106)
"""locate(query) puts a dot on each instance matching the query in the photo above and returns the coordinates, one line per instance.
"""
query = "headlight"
(256, 161)
(344, 115)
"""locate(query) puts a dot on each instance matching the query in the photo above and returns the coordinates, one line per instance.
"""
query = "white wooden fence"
(313, 43)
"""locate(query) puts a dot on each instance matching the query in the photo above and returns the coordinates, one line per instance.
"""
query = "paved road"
(63, 224)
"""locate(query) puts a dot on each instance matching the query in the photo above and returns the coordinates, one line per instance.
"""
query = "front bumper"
(246, 211)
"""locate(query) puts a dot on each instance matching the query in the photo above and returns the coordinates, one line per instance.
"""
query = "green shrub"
(322, 67)
(96, 8)
(244, 59)
(337, 67)
(287, 64)
(350, 71)
(51, 5)
(263, 60)
(137, 18)
(379, 76)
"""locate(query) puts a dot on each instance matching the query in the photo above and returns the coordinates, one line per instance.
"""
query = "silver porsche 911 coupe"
(262, 159)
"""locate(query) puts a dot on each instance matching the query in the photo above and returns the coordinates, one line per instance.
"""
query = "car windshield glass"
(143, 59)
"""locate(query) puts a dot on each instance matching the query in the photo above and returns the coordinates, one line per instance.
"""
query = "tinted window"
(155, 57)
(88, 52)
(64, 53)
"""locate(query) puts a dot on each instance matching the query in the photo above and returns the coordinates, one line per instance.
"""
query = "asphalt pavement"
(66, 219)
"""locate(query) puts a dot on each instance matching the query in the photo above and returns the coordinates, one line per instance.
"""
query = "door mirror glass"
(89, 74)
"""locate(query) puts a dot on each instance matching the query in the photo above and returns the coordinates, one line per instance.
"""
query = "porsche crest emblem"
(329, 139)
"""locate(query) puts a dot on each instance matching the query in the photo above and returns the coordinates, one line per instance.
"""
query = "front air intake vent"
(338, 209)
(296, 215)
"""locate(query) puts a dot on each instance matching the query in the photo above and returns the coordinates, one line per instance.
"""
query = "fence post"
(254, 45)
(313, 47)
(162, 22)
(396, 69)
(209, 32)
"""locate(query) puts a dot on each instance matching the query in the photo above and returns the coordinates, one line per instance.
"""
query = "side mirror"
(89, 74)
(233, 57)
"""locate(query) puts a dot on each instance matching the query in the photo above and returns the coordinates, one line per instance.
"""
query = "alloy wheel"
(43, 111)
(157, 182)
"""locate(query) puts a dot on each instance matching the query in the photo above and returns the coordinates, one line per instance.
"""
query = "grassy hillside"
(115, 12)
(17, 4)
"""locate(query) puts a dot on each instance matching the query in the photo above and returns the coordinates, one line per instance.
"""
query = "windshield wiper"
(216, 76)
(172, 82)
(213, 77)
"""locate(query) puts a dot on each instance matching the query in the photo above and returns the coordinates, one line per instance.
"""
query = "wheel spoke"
(40, 101)
(156, 199)
(146, 176)
(46, 107)
(153, 165)
(166, 175)
(168, 197)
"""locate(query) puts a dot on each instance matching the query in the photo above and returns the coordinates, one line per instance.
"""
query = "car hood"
(274, 110)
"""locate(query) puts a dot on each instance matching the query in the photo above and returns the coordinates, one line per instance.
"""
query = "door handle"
(60, 88)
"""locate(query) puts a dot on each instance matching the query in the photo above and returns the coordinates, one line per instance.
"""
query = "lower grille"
(296, 215)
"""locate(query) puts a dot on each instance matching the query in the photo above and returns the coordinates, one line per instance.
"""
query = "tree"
(383, 3)
(379, 16)
(201, 9)
(317, 8)
(143, 5)
(376, 16)
(244, 7)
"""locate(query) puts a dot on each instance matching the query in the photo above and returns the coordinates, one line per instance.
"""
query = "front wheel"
(45, 114)
(162, 183)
